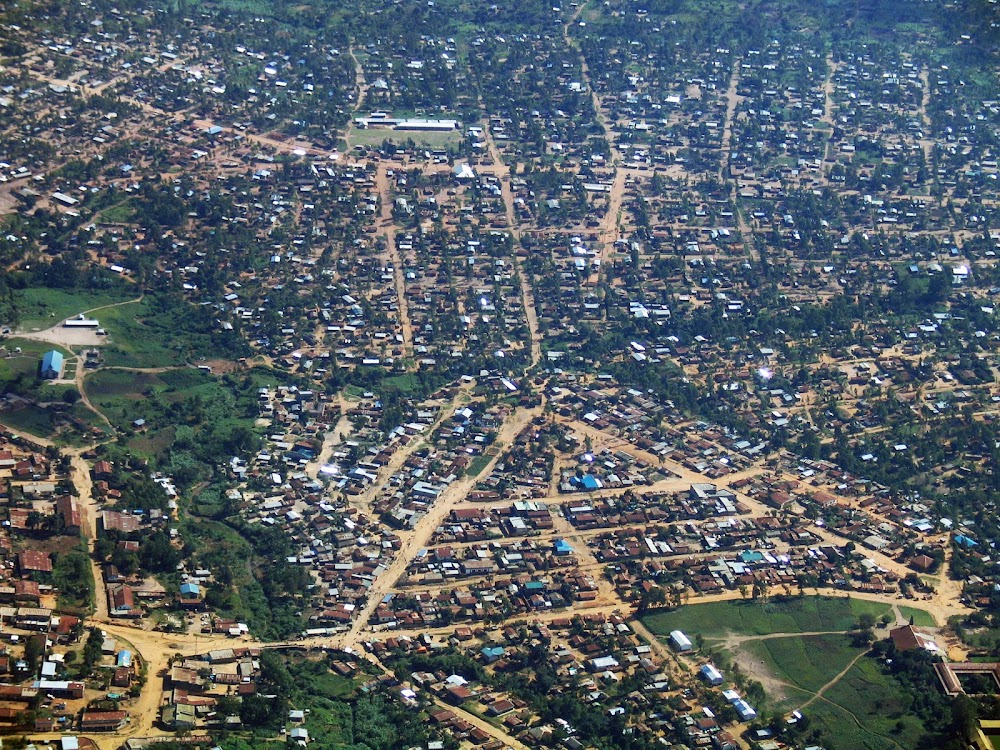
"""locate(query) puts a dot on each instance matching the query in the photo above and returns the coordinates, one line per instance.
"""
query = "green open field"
(160, 331)
(808, 662)
(409, 383)
(375, 137)
(22, 368)
(138, 339)
(921, 618)
(477, 465)
(31, 419)
(787, 615)
(120, 213)
(124, 396)
(186, 409)
(875, 701)
(32, 349)
(43, 308)
(864, 709)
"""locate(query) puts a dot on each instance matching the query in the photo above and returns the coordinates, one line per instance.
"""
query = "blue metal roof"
(52, 361)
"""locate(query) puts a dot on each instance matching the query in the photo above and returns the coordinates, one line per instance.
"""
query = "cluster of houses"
(859, 510)
(39, 513)
(492, 596)
(482, 524)
(48, 694)
(591, 656)
(702, 500)
(525, 468)
(315, 498)
(658, 433)
(194, 685)
(488, 558)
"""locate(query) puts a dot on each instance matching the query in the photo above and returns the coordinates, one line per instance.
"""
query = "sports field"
(805, 614)
(798, 649)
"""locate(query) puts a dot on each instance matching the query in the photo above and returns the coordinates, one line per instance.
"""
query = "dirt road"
(89, 510)
(502, 172)
(360, 93)
(331, 440)
(387, 230)
(416, 539)
(363, 502)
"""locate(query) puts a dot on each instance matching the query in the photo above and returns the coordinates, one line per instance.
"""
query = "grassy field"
(124, 396)
(120, 213)
(375, 137)
(30, 419)
(409, 384)
(110, 388)
(807, 661)
(477, 465)
(863, 710)
(44, 308)
(33, 349)
(876, 701)
(160, 331)
(137, 340)
(794, 615)
(921, 618)
(185, 409)
(23, 367)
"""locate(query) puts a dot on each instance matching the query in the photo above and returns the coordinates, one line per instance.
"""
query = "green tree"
(93, 648)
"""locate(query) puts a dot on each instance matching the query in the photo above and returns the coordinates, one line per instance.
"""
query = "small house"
(190, 596)
(679, 641)
(711, 675)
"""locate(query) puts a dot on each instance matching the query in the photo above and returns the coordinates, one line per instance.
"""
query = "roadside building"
(679, 641)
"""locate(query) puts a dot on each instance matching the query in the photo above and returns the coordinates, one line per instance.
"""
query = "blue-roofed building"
(964, 541)
(562, 547)
(51, 367)
(492, 653)
(124, 658)
(745, 710)
(191, 596)
(588, 482)
(190, 589)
